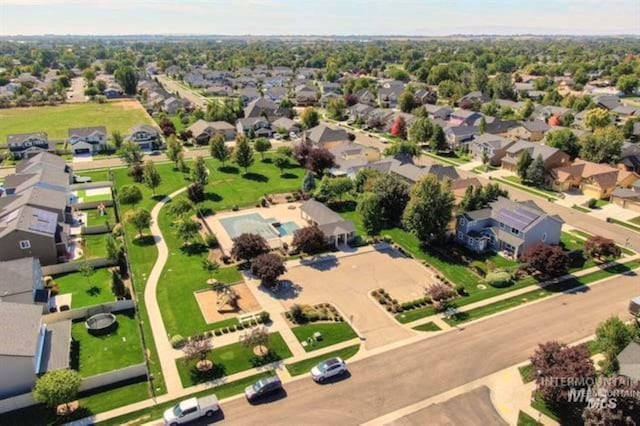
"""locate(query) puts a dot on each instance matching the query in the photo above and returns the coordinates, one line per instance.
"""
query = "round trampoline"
(102, 323)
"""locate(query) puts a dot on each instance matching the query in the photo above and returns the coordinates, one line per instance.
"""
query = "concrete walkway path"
(166, 353)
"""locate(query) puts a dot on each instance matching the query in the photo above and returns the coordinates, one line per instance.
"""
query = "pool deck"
(289, 212)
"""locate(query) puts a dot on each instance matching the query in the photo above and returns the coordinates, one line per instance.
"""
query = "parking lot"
(347, 283)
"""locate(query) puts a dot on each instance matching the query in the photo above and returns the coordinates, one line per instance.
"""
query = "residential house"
(248, 94)
(491, 147)
(330, 87)
(594, 180)
(276, 94)
(629, 361)
(26, 284)
(426, 97)
(474, 98)
(546, 112)
(532, 130)
(496, 126)
(389, 93)
(145, 136)
(552, 157)
(113, 91)
(29, 347)
(358, 112)
(459, 187)
(608, 102)
(259, 126)
(460, 135)
(87, 140)
(404, 168)
(24, 145)
(203, 130)
(627, 198)
(220, 91)
(260, 107)
(624, 112)
(463, 117)
(324, 136)
(328, 97)
(172, 105)
(364, 96)
(305, 95)
(337, 230)
(630, 156)
(507, 226)
(437, 111)
(350, 157)
(288, 125)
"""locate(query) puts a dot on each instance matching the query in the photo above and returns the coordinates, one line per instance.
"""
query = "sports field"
(57, 120)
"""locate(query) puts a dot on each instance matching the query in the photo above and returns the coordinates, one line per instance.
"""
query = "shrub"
(265, 316)
(117, 230)
(478, 267)
(225, 330)
(253, 322)
(498, 279)
(461, 290)
(592, 203)
(177, 341)
(210, 240)
(217, 332)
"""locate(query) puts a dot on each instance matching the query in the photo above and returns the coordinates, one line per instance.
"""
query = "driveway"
(473, 408)
(76, 91)
(347, 281)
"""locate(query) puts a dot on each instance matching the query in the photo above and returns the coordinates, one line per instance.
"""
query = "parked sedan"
(263, 387)
(329, 368)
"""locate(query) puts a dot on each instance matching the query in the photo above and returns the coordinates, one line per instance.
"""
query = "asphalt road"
(387, 382)
(76, 92)
(473, 408)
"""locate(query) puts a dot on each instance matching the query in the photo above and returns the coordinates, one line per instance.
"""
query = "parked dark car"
(262, 388)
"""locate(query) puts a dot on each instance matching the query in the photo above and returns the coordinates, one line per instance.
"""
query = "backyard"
(121, 348)
(94, 218)
(231, 359)
(95, 246)
(57, 120)
(86, 292)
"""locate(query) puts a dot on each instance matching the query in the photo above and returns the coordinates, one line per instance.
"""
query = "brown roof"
(603, 175)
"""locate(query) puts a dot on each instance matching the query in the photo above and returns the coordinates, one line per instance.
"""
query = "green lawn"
(94, 218)
(526, 420)
(84, 198)
(301, 367)
(580, 208)
(516, 182)
(540, 293)
(332, 333)
(625, 224)
(145, 415)
(231, 359)
(91, 403)
(526, 373)
(99, 354)
(635, 220)
(85, 292)
(95, 246)
(57, 120)
(430, 326)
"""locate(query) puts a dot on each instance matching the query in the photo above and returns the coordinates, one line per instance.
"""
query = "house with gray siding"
(88, 140)
(507, 226)
(493, 146)
(25, 145)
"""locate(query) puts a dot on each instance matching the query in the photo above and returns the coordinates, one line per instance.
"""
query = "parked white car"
(191, 409)
(329, 368)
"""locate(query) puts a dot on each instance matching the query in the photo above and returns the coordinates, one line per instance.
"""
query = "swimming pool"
(253, 223)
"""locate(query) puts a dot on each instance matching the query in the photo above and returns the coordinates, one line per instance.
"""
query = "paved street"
(76, 91)
(394, 379)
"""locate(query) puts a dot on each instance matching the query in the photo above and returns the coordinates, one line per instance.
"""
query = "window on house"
(25, 244)
(460, 235)
(544, 237)
(463, 222)
(514, 231)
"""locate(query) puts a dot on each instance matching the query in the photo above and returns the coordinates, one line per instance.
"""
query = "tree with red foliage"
(249, 246)
(399, 128)
(553, 362)
(351, 99)
(600, 247)
(320, 159)
(549, 261)
(301, 152)
(185, 135)
(167, 127)
(268, 267)
(309, 239)
(626, 407)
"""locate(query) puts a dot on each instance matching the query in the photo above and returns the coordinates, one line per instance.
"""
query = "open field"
(57, 120)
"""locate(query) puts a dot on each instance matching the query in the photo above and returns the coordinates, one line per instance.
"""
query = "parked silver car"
(329, 368)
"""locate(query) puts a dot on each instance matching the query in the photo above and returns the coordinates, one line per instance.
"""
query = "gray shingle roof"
(84, 132)
(19, 331)
(22, 273)
(629, 361)
(56, 351)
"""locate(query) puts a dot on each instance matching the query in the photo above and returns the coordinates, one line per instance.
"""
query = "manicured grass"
(430, 326)
(452, 161)
(332, 333)
(95, 246)
(91, 403)
(571, 242)
(84, 198)
(415, 314)
(223, 391)
(231, 359)
(580, 208)
(625, 224)
(526, 420)
(540, 293)
(515, 182)
(301, 367)
(635, 220)
(94, 218)
(118, 349)
(85, 292)
(57, 120)
(526, 373)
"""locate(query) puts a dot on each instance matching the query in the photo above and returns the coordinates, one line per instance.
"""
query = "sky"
(319, 17)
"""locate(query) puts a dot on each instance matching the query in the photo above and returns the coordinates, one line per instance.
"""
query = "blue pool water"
(253, 223)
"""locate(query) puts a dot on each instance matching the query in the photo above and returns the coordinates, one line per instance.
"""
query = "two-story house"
(203, 130)
(87, 140)
(552, 157)
(258, 126)
(491, 147)
(594, 180)
(532, 130)
(389, 93)
(507, 226)
(24, 145)
(305, 95)
(324, 136)
(29, 347)
(463, 117)
(145, 136)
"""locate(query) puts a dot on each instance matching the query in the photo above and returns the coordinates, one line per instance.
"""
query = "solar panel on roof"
(516, 218)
